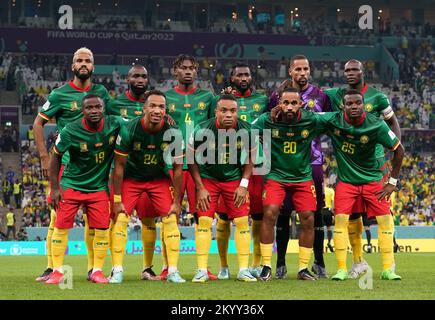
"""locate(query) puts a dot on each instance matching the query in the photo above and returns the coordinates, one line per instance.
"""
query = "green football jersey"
(145, 151)
(290, 146)
(125, 106)
(355, 146)
(375, 102)
(65, 103)
(189, 109)
(91, 154)
(222, 163)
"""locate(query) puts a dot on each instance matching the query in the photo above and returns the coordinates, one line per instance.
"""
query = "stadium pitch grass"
(416, 269)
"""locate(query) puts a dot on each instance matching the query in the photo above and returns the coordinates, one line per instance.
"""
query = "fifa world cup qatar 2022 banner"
(224, 45)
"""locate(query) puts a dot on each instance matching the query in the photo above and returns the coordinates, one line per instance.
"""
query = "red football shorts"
(144, 207)
(255, 189)
(159, 192)
(189, 187)
(226, 191)
(97, 207)
(303, 194)
(346, 195)
(62, 168)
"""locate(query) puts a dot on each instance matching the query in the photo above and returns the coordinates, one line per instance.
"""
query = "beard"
(82, 76)
(240, 88)
(138, 91)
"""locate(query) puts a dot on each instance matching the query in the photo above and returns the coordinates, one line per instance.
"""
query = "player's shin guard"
(304, 257)
(59, 243)
(266, 253)
(385, 238)
(223, 232)
(256, 225)
(163, 245)
(355, 229)
(242, 238)
(89, 240)
(172, 241)
(148, 241)
(341, 239)
(53, 216)
(203, 241)
(119, 239)
(319, 238)
(100, 245)
(282, 237)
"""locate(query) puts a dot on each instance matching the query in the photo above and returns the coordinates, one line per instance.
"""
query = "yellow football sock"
(101, 245)
(148, 241)
(163, 246)
(119, 239)
(89, 240)
(355, 229)
(385, 239)
(223, 231)
(242, 238)
(172, 240)
(256, 225)
(341, 239)
(53, 216)
(304, 257)
(59, 243)
(203, 241)
(266, 253)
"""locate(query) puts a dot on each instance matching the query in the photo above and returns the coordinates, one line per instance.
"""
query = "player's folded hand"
(118, 207)
(56, 197)
(203, 199)
(240, 196)
(228, 90)
(275, 113)
(175, 209)
(386, 192)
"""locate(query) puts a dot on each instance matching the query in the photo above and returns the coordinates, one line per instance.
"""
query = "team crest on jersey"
(111, 140)
(364, 139)
(311, 103)
(172, 107)
(123, 112)
(136, 146)
(275, 133)
(83, 147)
(305, 134)
(201, 105)
(256, 107)
(337, 132)
(74, 106)
(164, 146)
(368, 107)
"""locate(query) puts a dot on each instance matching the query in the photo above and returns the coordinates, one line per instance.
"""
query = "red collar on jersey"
(238, 94)
(128, 95)
(85, 125)
(217, 124)
(184, 92)
(72, 85)
(358, 122)
(364, 89)
(146, 129)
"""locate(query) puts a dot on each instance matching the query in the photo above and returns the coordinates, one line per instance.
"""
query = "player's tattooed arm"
(202, 195)
(118, 177)
(38, 126)
(55, 163)
(396, 162)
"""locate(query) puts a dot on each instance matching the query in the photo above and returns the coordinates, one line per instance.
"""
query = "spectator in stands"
(10, 174)
(30, 134)
(18, 190)
(10, 222)
(7, 191)
(22, 235)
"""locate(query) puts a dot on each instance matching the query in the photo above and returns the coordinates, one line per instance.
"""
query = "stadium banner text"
(37, 248)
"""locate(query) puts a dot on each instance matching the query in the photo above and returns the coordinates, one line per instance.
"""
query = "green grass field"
(417, 270)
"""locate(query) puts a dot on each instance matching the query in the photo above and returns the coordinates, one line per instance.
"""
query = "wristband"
(117, 198)
(392, 181)
(244, 183)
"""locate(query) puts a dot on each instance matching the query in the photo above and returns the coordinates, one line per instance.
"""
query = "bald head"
(354, 73)
(137, 80)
